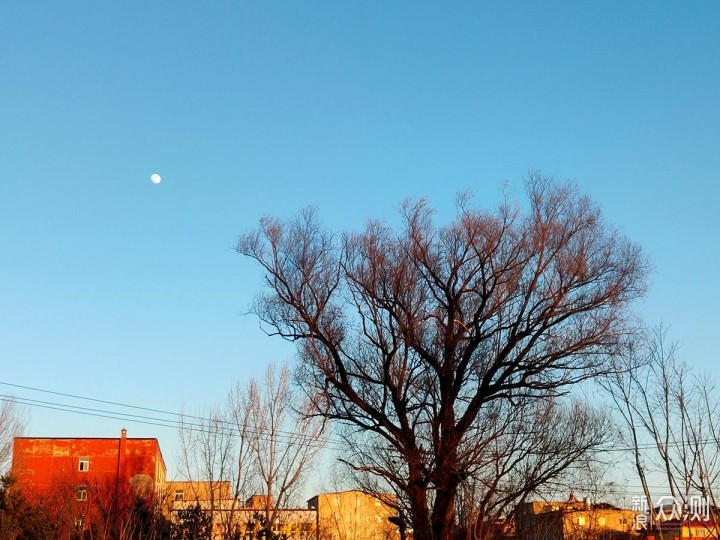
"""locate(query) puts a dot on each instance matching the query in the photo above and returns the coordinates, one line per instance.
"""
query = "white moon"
(155, 178)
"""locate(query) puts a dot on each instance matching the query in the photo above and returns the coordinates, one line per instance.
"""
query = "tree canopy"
(420, 337)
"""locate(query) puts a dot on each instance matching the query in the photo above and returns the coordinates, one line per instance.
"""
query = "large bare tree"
(414, 335)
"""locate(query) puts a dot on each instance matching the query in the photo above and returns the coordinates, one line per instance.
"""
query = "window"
(601, 521)
(581, 520)
(179, 495)
(79, 523)
(81, 493)
(84, 464)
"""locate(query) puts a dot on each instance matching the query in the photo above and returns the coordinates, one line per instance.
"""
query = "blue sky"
(116, 288)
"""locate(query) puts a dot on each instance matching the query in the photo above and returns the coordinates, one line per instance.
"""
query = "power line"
(633, 491)
(14, 399)
(177, 420)
(181, 416)
(146, 420)
(76, 408)
(75, 396)
(200, 423)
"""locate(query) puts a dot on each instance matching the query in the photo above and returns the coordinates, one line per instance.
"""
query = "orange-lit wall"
(39, 464)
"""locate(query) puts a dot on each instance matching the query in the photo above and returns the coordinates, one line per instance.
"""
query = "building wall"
(687, 530)
(597, 523)
(353, 515)
(231, 515)
(294, 524)
(572, 521)
(197, 490)
(42, 464)
(539, 520)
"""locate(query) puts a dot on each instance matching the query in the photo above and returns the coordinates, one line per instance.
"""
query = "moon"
(155, 178)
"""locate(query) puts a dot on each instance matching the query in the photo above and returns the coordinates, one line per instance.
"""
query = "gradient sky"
(115, 288)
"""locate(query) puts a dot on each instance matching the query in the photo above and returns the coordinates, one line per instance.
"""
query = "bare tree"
(526, 454)
(262, 441)
(704, 436)
(13, 420)
(411, 336)
(667, 417)
(286, 440)
(520, 453)
(215, 459)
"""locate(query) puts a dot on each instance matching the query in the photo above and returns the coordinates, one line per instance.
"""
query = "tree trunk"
(443, 515)
(419, 513)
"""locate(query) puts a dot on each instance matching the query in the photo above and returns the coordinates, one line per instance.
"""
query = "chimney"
(587, 502)
(122, 449)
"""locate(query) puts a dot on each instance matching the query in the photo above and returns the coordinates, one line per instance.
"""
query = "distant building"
(573, 519)
(686, 529)
(233, 516)
(354, 515)
(258, 501)
(348, 515)
(194, 490)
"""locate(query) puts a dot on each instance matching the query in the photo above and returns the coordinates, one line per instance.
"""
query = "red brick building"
(44, 465)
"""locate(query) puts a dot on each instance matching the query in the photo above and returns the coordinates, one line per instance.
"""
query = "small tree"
(13, 419)
(146, 521)
(412, 337)
(19, 519)
(106, 510)
(192, 523)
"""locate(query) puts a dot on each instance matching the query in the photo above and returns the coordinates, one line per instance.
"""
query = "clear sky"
(116, 288)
